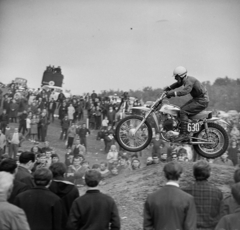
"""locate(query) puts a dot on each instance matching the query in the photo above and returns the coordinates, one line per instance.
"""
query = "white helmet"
(180, 71)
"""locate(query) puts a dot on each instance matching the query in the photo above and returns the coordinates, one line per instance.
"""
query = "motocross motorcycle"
(134, 133)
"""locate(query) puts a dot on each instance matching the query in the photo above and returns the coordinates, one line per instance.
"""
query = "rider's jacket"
(192, 86)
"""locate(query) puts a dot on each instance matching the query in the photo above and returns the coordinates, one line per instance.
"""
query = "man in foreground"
(94, 210)
(42, 207)
(170, 207)
(11, 217)
(207, 197)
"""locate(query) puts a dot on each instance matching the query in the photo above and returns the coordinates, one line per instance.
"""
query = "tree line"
(224, 94)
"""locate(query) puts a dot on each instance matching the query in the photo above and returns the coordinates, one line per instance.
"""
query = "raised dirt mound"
(130, 190)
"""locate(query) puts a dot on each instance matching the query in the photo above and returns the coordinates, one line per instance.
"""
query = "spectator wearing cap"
(231, 221)
(230, 204)
(66, 190)
(9, 165)
(94, 210)
(170, 207)
(71, 133)
(26, 163)
(43, 208)
(207, 197)
(11, 217)
(83, 132)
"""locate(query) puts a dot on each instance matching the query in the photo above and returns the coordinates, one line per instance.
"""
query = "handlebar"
(158, 101)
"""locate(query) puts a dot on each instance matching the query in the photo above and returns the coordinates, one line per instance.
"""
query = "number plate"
(193, 127)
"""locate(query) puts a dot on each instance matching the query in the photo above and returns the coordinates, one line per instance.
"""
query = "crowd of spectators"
(42, 169)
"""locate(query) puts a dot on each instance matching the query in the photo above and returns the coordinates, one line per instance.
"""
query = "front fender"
(145, 109)
(217, 119)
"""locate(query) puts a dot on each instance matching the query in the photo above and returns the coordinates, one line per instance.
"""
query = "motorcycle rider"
(197, 104)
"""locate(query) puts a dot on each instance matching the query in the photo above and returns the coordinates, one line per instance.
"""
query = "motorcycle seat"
(202, 115)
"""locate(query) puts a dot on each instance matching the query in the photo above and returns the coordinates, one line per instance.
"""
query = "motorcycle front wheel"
(218, 136)
(130, 139)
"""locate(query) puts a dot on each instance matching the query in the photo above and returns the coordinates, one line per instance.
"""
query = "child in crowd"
(112, 155)
(55, 158)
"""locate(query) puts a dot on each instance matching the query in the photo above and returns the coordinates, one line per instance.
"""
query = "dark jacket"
(52, 106)
(170, 208)
(67, 191)
(191, 86)
(18, 187)
(42, 207)
(24, 176)
(94, 211)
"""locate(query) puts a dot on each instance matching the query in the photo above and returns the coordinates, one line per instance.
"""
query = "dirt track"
(130, 191)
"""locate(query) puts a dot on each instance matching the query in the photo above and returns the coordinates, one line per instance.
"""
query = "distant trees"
(224, 94)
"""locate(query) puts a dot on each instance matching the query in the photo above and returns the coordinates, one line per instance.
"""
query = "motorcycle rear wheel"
(217, 134)
(137, 142)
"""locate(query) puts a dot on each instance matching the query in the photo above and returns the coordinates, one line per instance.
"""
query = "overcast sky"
(119, 44)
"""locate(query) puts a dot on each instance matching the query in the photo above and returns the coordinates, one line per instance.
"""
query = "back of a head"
(58, 169)
(236, 192)
(92, 178)
(8, 165)
(42, 176)
(236, 176)
(173, 171)
(25, 157)
(201, 170)
(6, 181)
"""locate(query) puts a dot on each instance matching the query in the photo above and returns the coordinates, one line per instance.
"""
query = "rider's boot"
(184, 135)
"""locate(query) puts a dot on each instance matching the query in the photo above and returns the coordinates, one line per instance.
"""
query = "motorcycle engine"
(170, 126)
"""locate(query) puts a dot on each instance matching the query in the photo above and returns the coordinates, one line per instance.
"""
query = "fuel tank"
(170, 109)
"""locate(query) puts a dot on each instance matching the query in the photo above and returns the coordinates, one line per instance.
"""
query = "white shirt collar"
(172, 183)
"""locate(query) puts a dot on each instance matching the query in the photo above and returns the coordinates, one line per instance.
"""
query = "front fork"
(206, 129)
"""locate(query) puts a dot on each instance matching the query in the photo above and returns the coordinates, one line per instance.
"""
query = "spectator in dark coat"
(207, 197)
(94, 210)
(26, 163)
(42, 207)
(22, 122)
(66, 190)
(52, 105)
(230, 204)
(82, 132)
(65, 123)
(170, 207)
(4, 120)
(13, 111)
(233, 153)
(9, 165)
(231, 221)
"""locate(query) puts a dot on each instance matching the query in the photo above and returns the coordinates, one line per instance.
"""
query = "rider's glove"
(170, 94)
(166, 89)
